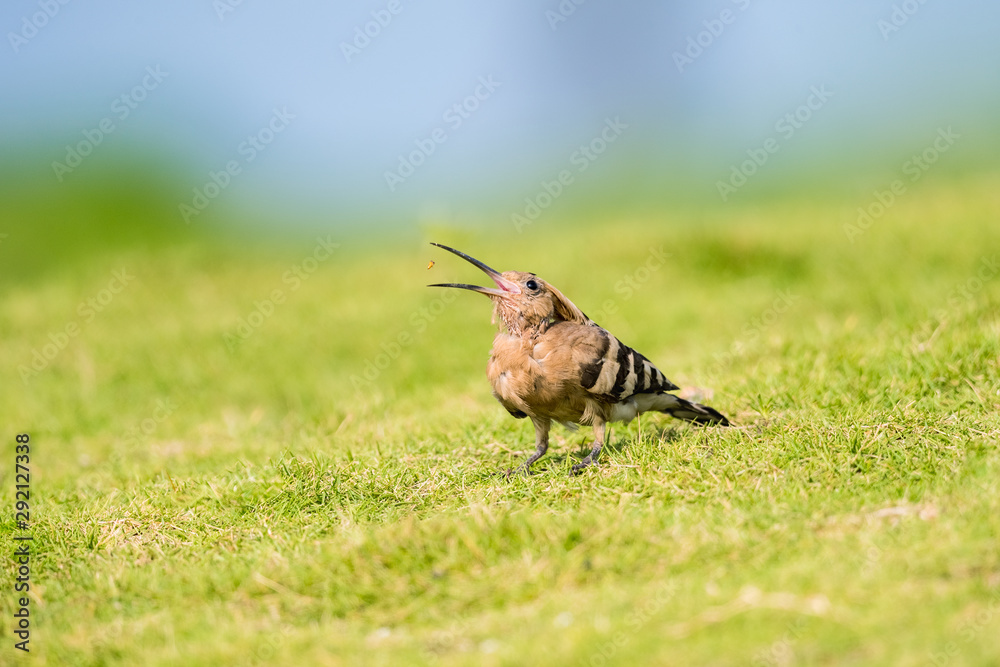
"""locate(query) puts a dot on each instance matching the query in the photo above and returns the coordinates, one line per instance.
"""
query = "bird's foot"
(578, 467)
(525, 468)
(510, 473)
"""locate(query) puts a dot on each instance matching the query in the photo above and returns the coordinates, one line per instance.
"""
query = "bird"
(550, 362)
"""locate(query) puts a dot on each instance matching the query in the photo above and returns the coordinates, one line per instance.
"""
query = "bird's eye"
(531, 284)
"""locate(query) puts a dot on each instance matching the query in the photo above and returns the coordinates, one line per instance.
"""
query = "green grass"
(199, 502)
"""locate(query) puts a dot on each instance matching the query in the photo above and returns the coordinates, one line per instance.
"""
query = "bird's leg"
(599, 425)
(541, 446)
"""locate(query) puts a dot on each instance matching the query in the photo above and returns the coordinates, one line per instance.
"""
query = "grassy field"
(250, 456)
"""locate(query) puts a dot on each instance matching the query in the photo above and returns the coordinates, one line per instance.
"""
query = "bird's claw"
(578, 467)
(510, 473)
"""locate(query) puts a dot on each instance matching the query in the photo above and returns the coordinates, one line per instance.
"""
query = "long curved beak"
(505, 287)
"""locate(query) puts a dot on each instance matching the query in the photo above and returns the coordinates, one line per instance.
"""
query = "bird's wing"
(604, 366)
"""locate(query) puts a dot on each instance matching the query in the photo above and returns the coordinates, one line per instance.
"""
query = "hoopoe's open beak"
(505, 287)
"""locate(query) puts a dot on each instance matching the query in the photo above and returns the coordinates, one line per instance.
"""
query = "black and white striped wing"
(617, 372)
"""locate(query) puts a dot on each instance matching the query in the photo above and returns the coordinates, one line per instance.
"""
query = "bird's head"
(522, 301)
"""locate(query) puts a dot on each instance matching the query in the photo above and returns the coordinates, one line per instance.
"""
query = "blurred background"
(132, 123)
(214, 218)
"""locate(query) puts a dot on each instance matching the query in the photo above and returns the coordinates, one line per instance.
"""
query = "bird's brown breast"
(538, 376)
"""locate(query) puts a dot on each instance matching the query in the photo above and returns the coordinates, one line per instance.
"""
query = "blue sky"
(895, 71)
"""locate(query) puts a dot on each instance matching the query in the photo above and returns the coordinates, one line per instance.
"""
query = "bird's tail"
(680, 408)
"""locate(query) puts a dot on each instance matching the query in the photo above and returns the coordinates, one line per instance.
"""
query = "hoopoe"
(554, 363)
